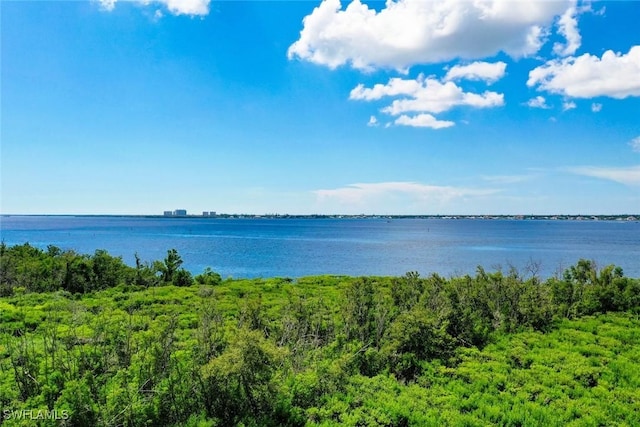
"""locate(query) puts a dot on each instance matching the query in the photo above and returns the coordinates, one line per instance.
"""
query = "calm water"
(302, 247)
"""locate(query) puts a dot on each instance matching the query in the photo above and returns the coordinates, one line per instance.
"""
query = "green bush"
(116, 345)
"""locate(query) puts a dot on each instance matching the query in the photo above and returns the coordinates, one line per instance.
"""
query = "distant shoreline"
(617, 217)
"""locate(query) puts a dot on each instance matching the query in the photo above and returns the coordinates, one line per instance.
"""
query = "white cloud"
(187, 7)
(425, 95)
(568, 27)
(538, 102)
(408, 32)
(485, 71)
(624, 175)
(614, 75)
(176, 7)
(635, 144)
(506, 179)
(423, 120)
(568, 105)
(373, 121)
(390, 195)
(436, 98)
(596, 108)
(107, 5)
(396, 86)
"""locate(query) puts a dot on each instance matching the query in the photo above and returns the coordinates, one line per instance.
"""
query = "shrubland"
(107, 344)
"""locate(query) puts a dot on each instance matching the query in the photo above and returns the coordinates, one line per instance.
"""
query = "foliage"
(108, 344)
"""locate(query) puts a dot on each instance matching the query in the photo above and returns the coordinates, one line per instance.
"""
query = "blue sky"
(412, 107)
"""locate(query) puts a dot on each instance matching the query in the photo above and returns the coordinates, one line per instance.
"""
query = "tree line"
(35, 270)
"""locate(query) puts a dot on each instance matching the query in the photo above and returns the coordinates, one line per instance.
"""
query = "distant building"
(212, 213)
(205, 213)
(168, 213)
(180, 212)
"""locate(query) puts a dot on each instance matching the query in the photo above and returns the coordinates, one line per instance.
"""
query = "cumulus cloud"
(442, 98)
(485, 71)
(395, 87)
(615, 75)
(635, 144)
(568, 105)
(423, 120)
(424, 95)
(408, 32)
(596, 108)
(187, 7)
(568, 27)
(624, 175)
(538, 102)
(372, 194)
(176, 7)
(373, 121)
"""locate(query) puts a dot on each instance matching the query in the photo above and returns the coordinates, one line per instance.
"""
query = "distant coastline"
(616, 217)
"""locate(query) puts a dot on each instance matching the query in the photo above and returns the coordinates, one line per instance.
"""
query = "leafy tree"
(470, 319)
(208, 277)
(24, 266)
(406, 290)
(108, 271)
(76, 398)
(359, 314)
(241, 383)
(172, 263)
(182, 278)
(79, 276)
(24, 360)
(252, 315)
(536, 305)
(145, 274)
(210, 333)
(414, 336)
(504, 294)
(7, 281)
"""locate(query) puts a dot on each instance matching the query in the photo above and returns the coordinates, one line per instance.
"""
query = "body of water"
(264, 247)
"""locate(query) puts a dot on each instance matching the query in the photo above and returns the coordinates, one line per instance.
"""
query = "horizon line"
(275, 215)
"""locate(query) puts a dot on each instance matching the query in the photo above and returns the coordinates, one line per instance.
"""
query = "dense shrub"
(110, 344)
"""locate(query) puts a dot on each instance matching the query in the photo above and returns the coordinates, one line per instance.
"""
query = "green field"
(91, 342)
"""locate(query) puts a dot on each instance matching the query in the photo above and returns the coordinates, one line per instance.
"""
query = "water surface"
(265, 247)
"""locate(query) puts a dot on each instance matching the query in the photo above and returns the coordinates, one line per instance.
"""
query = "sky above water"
(405, 107)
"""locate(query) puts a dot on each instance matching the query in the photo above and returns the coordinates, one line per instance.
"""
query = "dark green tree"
(359, 310)
(182, 278)
(240, 384)
(414, 336)
(108, 271)
(406, 290)
(208, 277)
(172, 263)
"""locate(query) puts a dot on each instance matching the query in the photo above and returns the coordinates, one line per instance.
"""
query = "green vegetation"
(95, 342)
